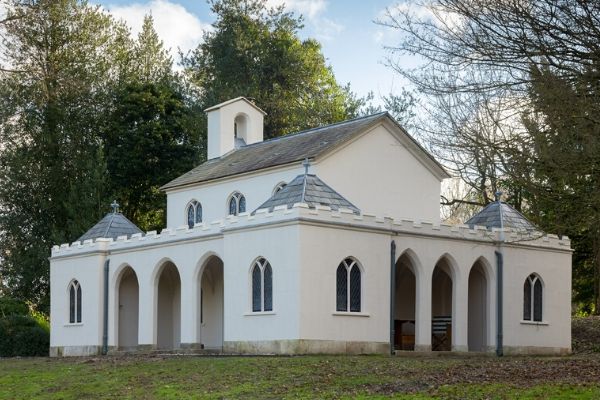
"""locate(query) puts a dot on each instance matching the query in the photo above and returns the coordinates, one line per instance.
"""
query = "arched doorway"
(168, 308)
(441, 306)
(404, 304)
(210, 321)
(478, 305)
(128, 301)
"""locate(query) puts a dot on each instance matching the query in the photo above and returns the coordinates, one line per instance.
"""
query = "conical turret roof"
(499, 214)
(311, 190)
(113, 225)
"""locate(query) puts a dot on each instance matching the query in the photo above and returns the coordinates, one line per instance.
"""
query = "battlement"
(321, 215)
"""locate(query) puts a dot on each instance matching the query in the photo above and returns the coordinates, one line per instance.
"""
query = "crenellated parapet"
(319, 215)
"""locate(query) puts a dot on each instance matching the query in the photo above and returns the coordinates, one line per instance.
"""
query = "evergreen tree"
(153, 134)
(559, 167)
(255, 52)
(53, 104)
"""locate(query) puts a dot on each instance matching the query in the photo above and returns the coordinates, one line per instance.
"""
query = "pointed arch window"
(237, 204)
(74, 302)
(194, 213)
(532, 298)
(262, 286)
(348, 286)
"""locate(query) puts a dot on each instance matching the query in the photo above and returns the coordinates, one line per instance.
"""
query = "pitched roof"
(223, 104)
(285, 150)
(490, 218)
(113, 225)
(309, 189)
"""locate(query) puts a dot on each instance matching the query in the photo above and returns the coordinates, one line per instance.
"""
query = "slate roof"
(309, 189)
(282, 150)
(490, 218)
(113, 225)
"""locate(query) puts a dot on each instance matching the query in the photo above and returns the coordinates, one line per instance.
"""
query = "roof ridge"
(112, 218)
(310, 130)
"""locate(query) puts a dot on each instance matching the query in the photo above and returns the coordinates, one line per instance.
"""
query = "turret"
(233, 124)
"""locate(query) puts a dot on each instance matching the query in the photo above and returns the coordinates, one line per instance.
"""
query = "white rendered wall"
(304, 255)
(554, 268)
(279, 246)
(381, 177)
(147, 262)
(221, 127)
(88, 271)
(323, 249)
(256, 188)
(375, 173)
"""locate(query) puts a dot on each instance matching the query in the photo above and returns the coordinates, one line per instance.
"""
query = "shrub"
(22, 332)
(10, 306)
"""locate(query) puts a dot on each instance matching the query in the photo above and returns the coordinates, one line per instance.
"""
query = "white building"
(262, 256)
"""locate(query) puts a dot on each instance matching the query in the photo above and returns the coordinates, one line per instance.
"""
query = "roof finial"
(306, 164)
(115, 206)
(498, 195)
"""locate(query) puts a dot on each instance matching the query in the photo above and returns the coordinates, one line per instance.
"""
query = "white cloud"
(309, 8)
(176, 26)
(326, 29)
(389, 36)
(322, 28)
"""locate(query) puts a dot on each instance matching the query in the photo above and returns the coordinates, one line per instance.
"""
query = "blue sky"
(352, 43)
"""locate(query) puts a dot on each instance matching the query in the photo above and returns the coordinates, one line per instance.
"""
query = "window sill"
(539, 323)
(257, 313)
(74, 324)
(350, 314)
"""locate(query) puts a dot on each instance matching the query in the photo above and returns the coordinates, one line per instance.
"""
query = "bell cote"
(233, 124)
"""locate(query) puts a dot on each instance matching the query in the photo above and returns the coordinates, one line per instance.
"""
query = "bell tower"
(233, 124)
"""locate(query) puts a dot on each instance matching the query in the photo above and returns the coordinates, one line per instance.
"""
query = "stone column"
(147, 314)
(190, 310)
(460, 311)
(423, 310)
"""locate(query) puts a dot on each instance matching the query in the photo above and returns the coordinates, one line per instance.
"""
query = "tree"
(53, 104)
(510, 91)
(254, 51)
(150, 141)
(150, 60)
(152, 136)
(560, 167)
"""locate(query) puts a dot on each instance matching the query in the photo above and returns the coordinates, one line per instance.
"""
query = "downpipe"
(499, 302)
(105, 324)
(392, 294)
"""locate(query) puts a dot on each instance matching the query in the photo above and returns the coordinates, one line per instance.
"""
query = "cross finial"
(498, 195)
(306, 164)
(115, 206)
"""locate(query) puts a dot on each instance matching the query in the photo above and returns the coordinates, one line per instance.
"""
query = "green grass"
(306, 377)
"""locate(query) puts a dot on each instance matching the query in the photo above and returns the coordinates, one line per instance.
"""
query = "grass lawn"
(211, 377)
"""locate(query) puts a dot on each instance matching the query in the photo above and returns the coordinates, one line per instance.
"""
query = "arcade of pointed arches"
(348, 295)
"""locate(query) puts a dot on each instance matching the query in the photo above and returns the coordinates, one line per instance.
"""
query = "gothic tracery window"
(237, 203)
(262, 286)
(348, 286)
(194, 213)
(74, 302)
(532, 298)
